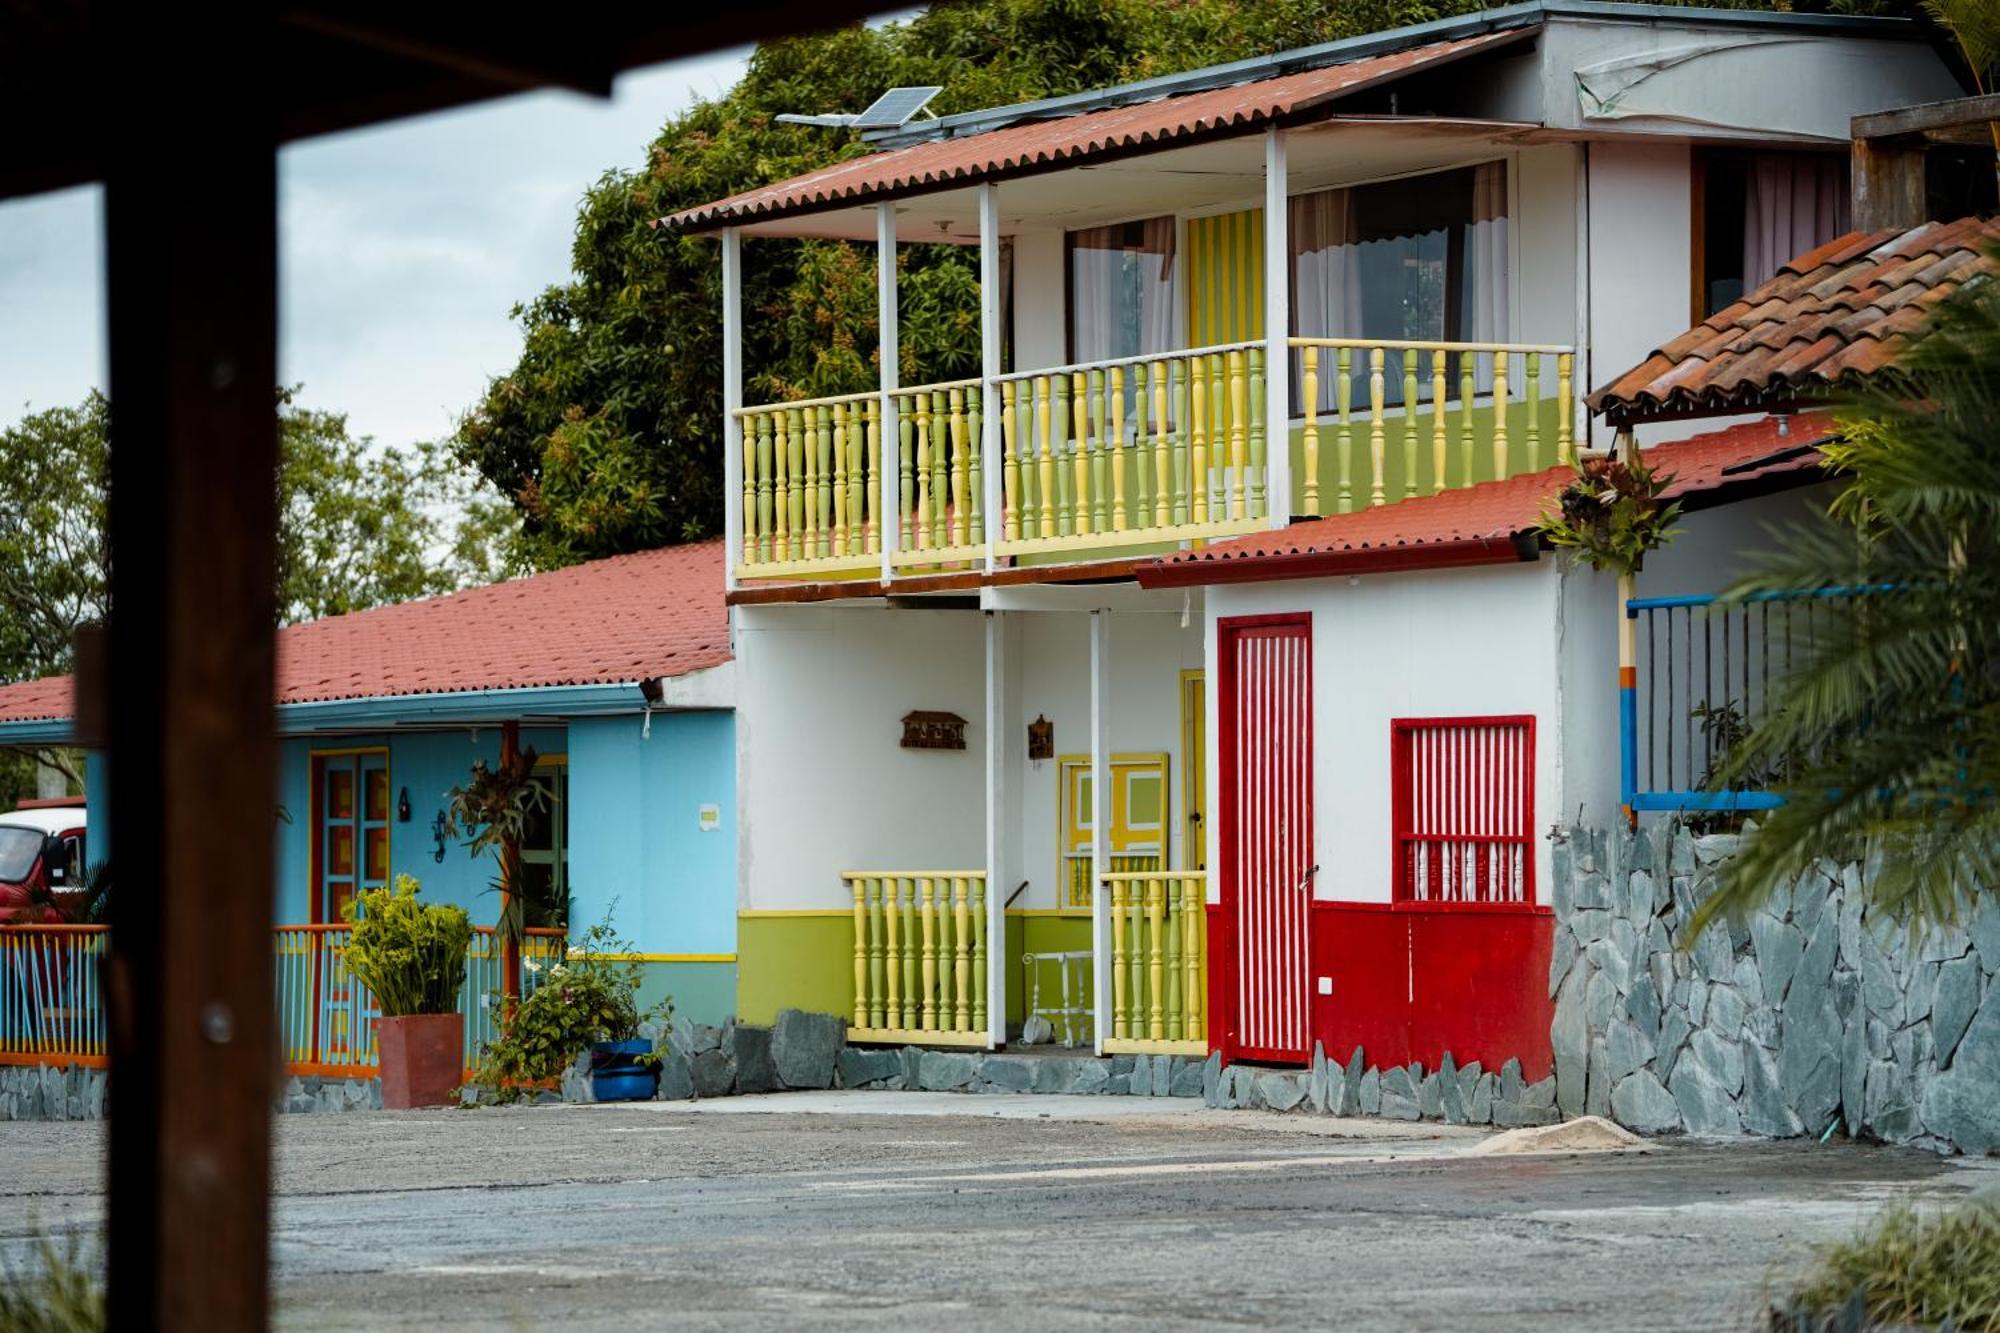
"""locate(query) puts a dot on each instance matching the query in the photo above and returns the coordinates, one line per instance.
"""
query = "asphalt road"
(658, 1216)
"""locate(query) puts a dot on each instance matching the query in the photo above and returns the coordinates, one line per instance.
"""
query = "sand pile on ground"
(1590, 1133)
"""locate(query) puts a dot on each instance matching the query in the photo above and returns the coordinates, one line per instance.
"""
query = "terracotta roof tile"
(1481, 523)
(1047, 145)
(628, 618)
(1845, 308)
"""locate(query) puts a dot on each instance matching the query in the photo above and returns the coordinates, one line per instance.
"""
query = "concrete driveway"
(850, 1209)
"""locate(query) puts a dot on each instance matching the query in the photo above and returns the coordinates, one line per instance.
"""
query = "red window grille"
(1464, 809)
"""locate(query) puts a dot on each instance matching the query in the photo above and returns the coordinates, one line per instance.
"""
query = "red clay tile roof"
(628, 618)
(1843, 309)
(1019, 150)
(1488, 523)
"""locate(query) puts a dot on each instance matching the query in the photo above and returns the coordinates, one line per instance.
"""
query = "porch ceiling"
(1216, 174)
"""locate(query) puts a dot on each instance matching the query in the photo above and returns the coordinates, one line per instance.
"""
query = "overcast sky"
(402, 250)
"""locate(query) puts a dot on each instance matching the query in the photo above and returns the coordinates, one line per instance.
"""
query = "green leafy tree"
(607, 433)
(1887, 730)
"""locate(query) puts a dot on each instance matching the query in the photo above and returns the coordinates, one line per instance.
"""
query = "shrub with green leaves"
(1911, 1270)
(410, 954)
(591, 996)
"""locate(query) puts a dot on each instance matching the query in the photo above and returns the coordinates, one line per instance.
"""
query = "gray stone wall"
(1812, 1015)
(44, 1092)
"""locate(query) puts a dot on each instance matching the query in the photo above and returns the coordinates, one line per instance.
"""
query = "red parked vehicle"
(41, 857)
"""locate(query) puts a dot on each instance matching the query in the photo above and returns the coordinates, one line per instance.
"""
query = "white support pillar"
(1277, 329)
(732, 404)
(989, 366)
(998, 729)
(1100, 823)
(888, 475)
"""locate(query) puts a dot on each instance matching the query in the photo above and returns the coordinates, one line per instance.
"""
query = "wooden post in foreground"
(190, 225)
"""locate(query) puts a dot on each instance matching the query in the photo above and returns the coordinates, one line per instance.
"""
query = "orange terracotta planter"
(423, 1059)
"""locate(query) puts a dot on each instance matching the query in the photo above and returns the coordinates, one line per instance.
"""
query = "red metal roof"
(1033, 146)
(628, 618)
(1842, 309)
(1485, 524)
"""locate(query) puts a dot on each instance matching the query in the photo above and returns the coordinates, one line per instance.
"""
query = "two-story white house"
(990, 756)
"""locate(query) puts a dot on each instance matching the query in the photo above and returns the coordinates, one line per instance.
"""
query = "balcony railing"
(52, 1003)
(1159, 962)
(919, 956)
(1703, 668)
(1137, 451)
(1402, 419)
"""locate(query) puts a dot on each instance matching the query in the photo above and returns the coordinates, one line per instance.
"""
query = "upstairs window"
(1420, 259)
(1464, 808)
(1121, 290)
(1755, 212)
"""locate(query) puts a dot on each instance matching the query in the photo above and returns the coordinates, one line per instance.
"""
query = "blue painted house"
(619, 676)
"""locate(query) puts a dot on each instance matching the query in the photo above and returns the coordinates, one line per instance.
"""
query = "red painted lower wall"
(1411, 982)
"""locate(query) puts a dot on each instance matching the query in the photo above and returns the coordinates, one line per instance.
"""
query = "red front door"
(1267, 842)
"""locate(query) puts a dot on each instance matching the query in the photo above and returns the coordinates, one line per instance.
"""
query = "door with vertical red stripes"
(1267, 835)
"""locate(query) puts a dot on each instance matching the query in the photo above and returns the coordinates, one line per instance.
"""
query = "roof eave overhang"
(1624, 412)
(707, 218)
(1514, 548)
(37, 732)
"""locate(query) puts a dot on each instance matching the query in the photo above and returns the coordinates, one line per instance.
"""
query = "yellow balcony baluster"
(975, 471)
(927, 909)
(862, 1017)
(961, 949)
(822, 474)
(871, 490)
(1344, 401)
(837, 528)
(748, 427)
(1309, 439)
(1565, 408)
(941, 468)
(765, 519)
(1045, 462)
(1193, 936)
(1376, 395)
(920, 520)
(1499, 415)
(1531, 363)
(1065, 467)
(1163, 462)
(979, 996)
(1099, 488)
(1255, 417)
(961, 472)
(1409, 360)
(896, 953)
(1080, 453)
(1182, 436)
(1141, 450)
(1135, 962)
(1113, 445)
(1010, 476)
(1156, 939)
(1198, 445)
(1437, 419)
(1467, 390)
(1120, 950)
(795, 490)
(906, 465)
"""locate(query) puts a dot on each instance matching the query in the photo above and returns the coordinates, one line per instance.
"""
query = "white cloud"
(402, 248)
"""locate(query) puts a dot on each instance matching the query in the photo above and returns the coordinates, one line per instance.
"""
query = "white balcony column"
(888, 494)
(1277, 328)
(1100, 824)
(998, 872)
(732, 404)
(991, 466)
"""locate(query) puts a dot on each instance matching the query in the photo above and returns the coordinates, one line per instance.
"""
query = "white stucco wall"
(825, 787)
(1433, 644)
(1641, 216)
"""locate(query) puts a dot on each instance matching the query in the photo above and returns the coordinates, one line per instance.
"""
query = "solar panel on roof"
(895, 107)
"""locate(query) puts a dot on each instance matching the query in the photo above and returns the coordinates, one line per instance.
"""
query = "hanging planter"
(1612, 513)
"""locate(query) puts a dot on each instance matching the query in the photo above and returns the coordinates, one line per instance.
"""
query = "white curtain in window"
(1794, 202)
(1121, 290)
(1326, 278)
(1486, 274)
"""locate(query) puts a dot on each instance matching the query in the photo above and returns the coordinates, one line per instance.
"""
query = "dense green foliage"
(1612, 514)
(410, 954)
(58, 1289)
(1912, 1271)
(607, 433)
(1887, 729)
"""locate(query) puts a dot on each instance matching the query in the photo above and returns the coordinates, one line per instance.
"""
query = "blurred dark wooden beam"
(192, 269)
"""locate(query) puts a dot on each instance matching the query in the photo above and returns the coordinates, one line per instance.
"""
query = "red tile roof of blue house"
(1494, 522)
(620, 620)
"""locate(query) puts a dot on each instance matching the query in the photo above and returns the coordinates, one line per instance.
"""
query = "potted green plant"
(411, 957)
(590, 1001)
(1612, 513)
